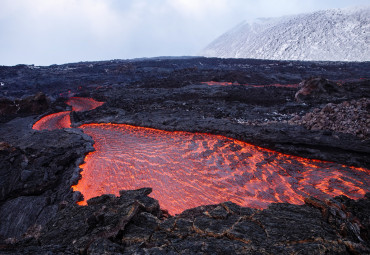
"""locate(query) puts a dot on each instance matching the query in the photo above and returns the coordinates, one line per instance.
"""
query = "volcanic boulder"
(35, 104)
(350, 117)
(37, 170)
(315, 88)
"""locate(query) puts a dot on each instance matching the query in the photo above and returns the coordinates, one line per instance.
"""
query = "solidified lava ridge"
(221, 83)
(54, 121)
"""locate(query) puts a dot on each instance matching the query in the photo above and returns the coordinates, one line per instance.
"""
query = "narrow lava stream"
(187, 170)
(62, 119)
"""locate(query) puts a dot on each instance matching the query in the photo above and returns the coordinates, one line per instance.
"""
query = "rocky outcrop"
(133, 223)
(351, 117)
(315, 88)
(325, 35)
(37, 170)
(257, 115)
(31, 105)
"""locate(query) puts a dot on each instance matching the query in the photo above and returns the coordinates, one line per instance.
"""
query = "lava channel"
(54, 121)
(187, 170)
(221, 83)
(80, 104)
(61, 120)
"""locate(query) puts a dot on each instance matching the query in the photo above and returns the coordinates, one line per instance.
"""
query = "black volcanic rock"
(134, 223)
(317, 87)
(37, 169)
(256, 115)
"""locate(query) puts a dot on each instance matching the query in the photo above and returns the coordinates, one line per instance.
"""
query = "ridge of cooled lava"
(187, 170)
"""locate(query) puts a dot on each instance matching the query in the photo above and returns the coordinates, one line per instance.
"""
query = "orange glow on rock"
(187, 170)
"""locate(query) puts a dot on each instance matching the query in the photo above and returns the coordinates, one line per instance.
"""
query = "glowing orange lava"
(218, 83)
(186, 170)
(54, 121)
(62, 119)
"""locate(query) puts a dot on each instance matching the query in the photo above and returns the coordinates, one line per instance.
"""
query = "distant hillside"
(330, 35)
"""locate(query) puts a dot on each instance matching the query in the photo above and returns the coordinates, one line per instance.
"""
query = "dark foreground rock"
(133, 223)
(37, 170)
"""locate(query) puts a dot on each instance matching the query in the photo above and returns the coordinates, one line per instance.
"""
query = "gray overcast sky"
(44, 32)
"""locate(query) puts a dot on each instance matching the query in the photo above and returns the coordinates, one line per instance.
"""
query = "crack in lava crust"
(187, 170)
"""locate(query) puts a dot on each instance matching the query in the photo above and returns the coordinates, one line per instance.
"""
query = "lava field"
(199, 155)
(187, 170)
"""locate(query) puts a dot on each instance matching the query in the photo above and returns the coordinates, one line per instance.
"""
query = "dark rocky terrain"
(38, 214)
(134, 224)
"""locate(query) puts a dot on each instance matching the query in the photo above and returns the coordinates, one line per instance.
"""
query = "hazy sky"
(44, 32)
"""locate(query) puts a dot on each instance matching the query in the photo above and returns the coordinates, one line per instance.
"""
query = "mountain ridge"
(326, 35)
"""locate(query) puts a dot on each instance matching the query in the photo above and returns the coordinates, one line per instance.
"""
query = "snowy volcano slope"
(330, 35)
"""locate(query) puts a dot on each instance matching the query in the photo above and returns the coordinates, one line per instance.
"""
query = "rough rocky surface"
(318, 89)
(30, 105)
(134, 224)
(351, 117)
(37, 169)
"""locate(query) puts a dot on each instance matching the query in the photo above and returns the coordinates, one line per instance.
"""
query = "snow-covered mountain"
(330, 35)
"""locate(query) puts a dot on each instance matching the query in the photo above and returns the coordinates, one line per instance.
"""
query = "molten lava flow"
(186, 170)
(80, 104)
(218, 83)
(62, 119)
(54, 121)
(214, 83)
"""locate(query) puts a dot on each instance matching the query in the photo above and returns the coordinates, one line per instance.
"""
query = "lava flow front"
(54, 121)
(62, 119)
(80, 104)
(187, 170)
(221, 83)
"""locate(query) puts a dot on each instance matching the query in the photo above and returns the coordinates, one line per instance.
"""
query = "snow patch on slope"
(330, 35)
